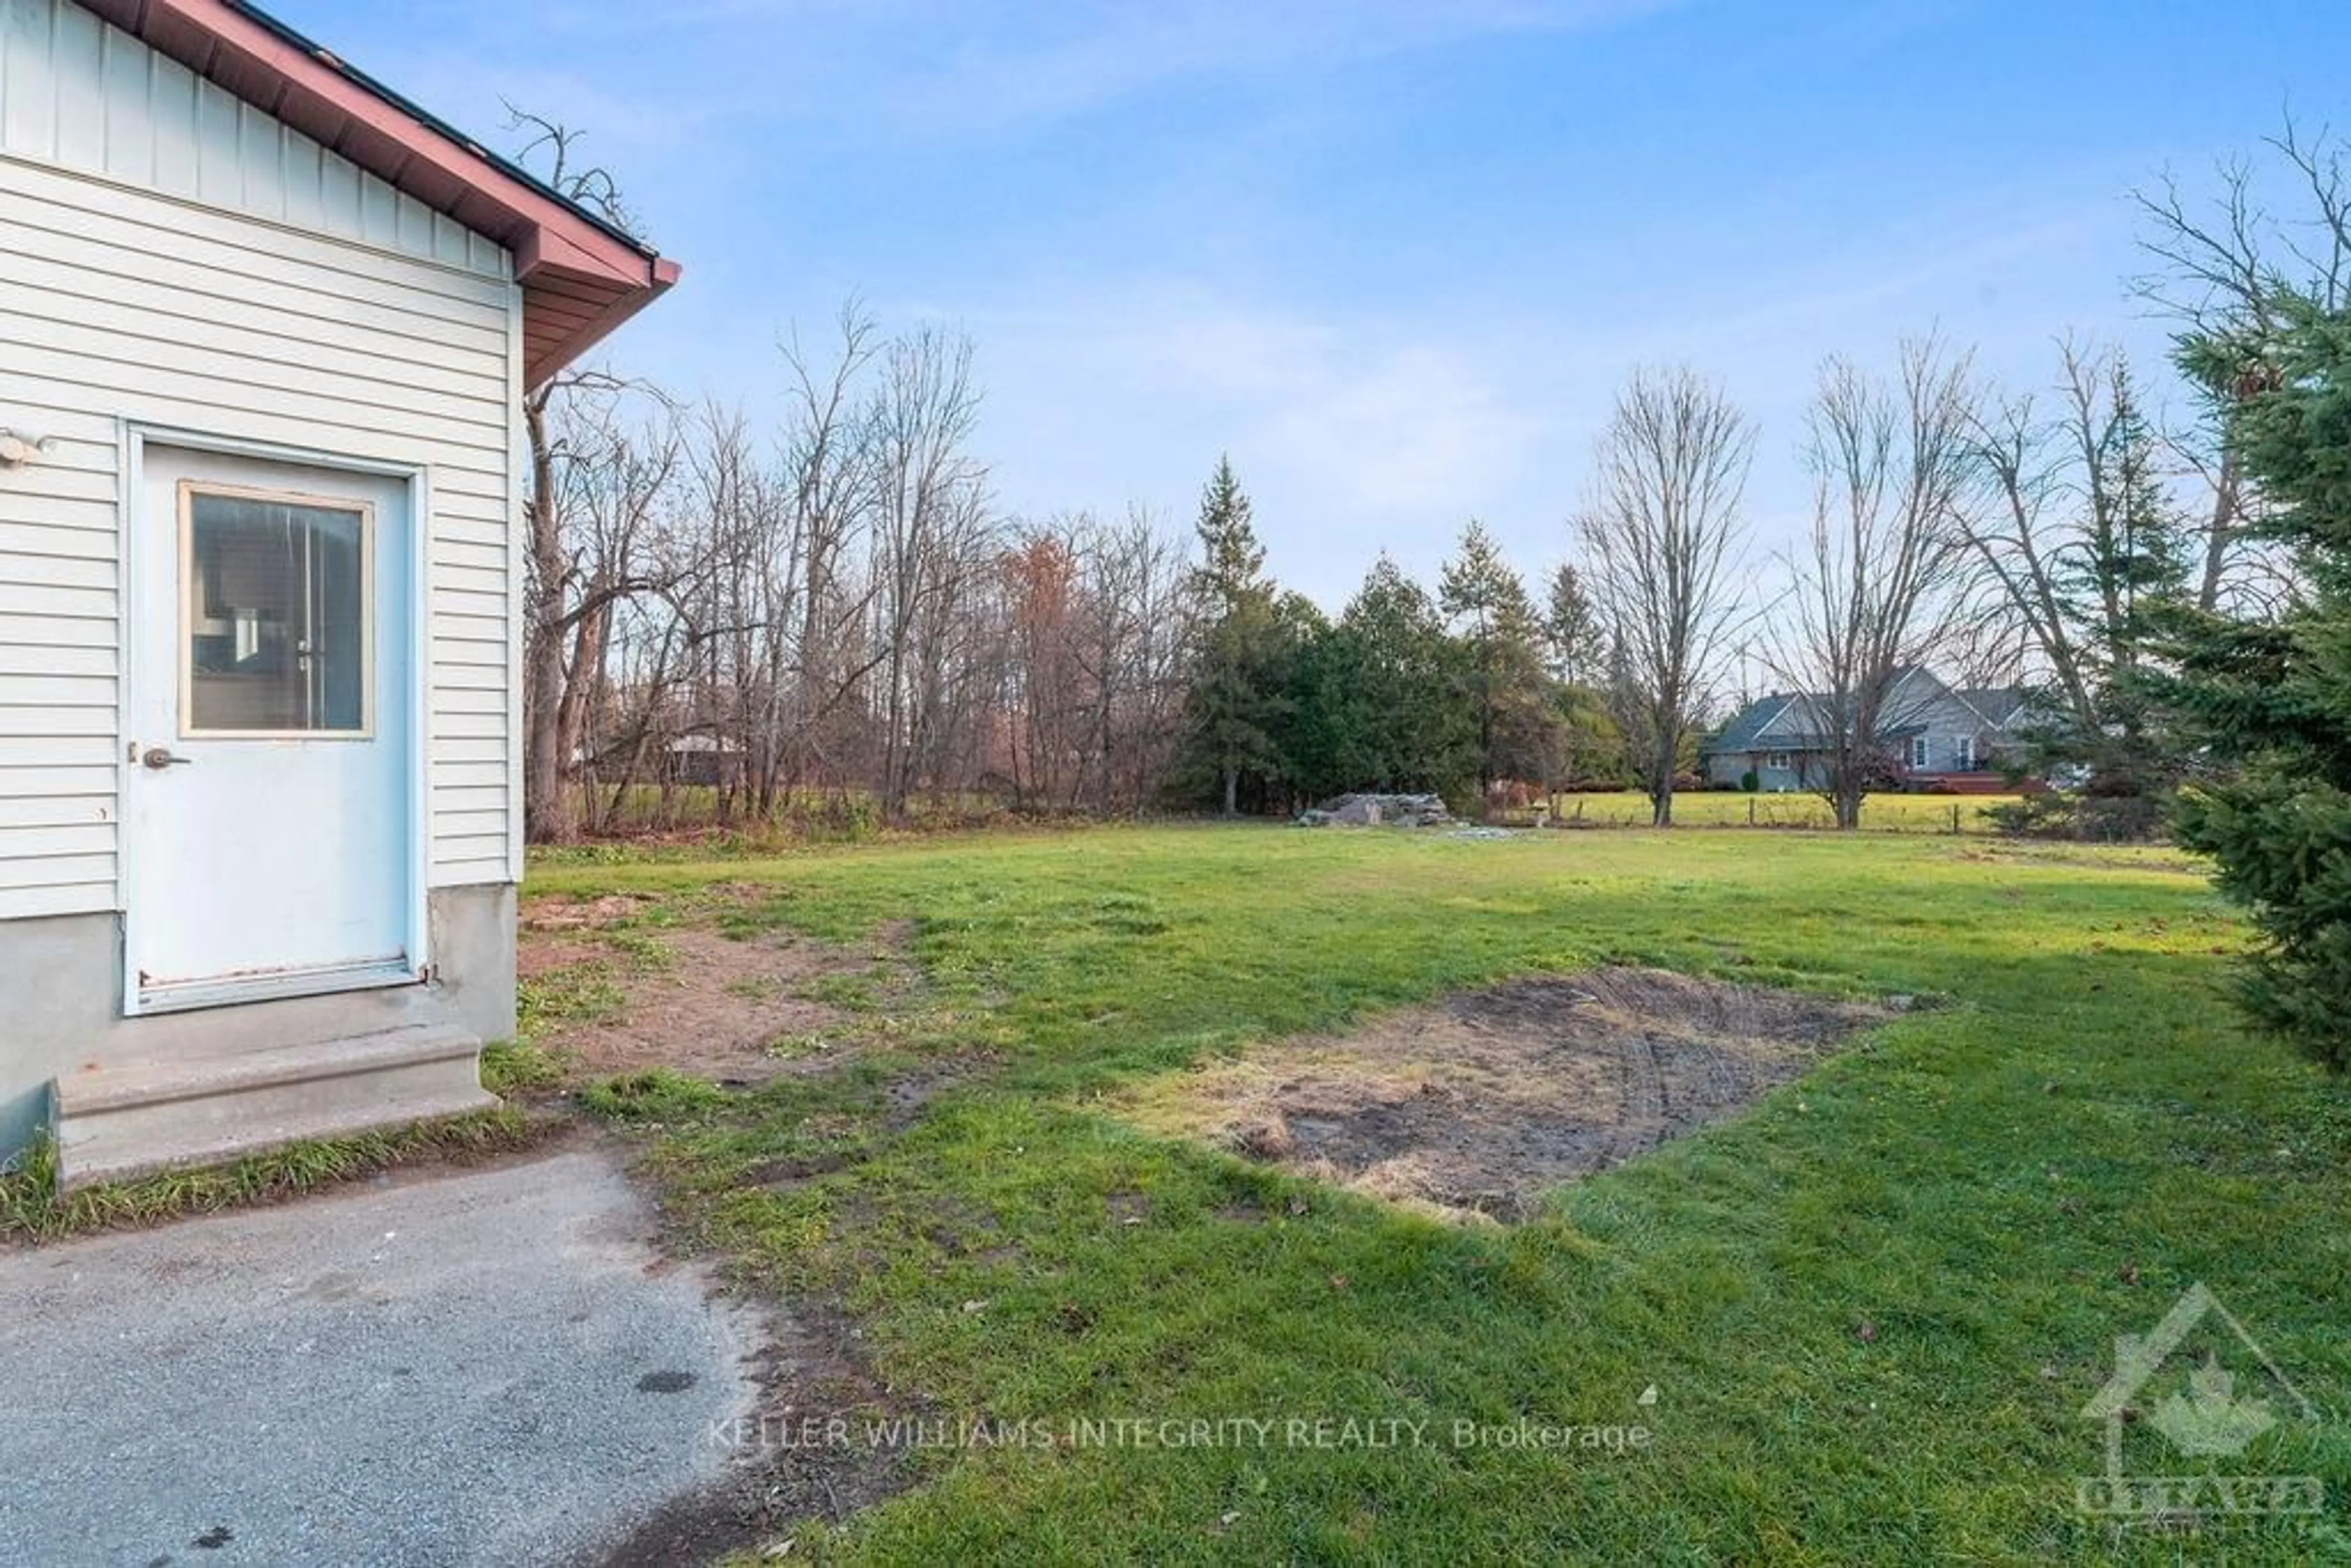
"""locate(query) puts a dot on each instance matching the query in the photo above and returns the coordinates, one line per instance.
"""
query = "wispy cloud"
(1092, 55)
(1375, 431)
(918, 69)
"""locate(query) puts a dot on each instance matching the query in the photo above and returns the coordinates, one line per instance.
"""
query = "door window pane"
(277, 615)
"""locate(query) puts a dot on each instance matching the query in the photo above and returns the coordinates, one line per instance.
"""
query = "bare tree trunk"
(547, 810)
(2221, 532)
(591, 641)
(1663, 535)
(1661, 798)
(596, 489)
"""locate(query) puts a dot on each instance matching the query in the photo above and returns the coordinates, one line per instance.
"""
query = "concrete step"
(114, 1123)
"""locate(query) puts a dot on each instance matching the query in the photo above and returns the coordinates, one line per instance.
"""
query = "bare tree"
(599, 468)
(743, 597)
(1045, 694)
(1131, 641)
(1875, 589)
(2052, 494)
(828, 460)
(726, 626)
(2225, 269)
(1663, 539)
(554, 147)
(933, 538)
(566, 614)
(1093, 674)
(2082, 554)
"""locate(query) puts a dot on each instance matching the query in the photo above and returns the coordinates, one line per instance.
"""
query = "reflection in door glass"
(277, 615)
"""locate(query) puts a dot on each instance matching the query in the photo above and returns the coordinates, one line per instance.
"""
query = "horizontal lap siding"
(170, 256)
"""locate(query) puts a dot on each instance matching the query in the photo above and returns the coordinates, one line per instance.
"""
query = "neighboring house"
(1935, 736)
(264, 332)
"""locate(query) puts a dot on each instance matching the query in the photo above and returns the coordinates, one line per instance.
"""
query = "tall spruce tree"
(2276, 695)
(1410, 730)
(1571, 631)
(2128, 580)
(1320, 737)
(1502, 637)
(1237, 697)
(1587, 747)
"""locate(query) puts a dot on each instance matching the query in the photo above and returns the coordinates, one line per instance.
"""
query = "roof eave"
(581, 275)
(544, 366)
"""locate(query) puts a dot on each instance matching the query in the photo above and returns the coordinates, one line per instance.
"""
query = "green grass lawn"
(1737, 808)
(1872, 1307)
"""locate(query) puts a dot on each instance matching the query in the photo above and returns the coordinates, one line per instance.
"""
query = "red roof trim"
(561, 253)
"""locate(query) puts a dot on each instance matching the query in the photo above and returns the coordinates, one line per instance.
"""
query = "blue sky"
(1395, 257)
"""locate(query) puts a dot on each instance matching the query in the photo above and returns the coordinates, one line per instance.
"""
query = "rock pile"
(1373, 810)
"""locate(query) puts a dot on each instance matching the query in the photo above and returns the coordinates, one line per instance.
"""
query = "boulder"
(1368, 811)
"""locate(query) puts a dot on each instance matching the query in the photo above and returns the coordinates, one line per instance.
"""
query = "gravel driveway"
(483, 1367)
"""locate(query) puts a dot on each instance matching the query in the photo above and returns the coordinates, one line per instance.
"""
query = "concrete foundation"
(61, 988)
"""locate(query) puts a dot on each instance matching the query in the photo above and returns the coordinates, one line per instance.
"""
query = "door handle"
(159, 757)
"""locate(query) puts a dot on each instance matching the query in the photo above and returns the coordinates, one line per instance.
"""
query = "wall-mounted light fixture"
(15, 450)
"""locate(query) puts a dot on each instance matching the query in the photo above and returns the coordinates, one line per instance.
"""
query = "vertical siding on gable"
(127, 292)
(82, 95)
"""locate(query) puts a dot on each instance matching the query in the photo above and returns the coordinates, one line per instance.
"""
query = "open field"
(1736, 809)
(832, 817)
(1871, 1306)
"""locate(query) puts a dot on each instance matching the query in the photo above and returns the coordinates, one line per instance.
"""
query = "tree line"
(1453, 692)
(836, 619)
(834, 615)
(2053, 542)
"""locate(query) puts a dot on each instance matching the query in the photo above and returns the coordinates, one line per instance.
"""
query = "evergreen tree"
(1571, 631)
(2126, 579)
(1326, 742)
(2277, 697)
(1408, 728)
(1591, 752)
(1502, 637)
(1299, 627)
(2088, 557)
(1588, 749)
(1232, 561)
(1237, 698)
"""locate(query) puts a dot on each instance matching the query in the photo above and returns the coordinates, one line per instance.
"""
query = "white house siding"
(169, 258)
(79, 94)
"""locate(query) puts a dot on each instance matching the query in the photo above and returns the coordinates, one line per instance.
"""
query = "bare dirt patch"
(615, 998)
(537, 956)
(1479, 1103)
(581, 914)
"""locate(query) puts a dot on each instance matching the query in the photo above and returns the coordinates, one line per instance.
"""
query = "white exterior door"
(267, 757)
